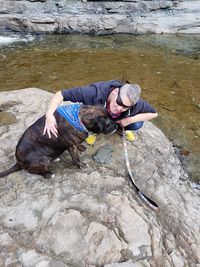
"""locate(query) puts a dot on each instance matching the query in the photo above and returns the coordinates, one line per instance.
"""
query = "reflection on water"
(167, 67)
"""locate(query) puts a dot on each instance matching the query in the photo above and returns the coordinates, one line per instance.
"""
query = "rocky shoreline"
(99, 17)
(91, 217)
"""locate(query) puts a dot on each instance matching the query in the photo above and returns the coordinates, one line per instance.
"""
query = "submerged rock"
(91, 217)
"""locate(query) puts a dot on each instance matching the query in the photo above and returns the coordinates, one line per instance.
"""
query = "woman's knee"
(134, 126)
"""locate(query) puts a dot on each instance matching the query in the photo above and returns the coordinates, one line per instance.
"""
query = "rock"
(7, 118)
(91, 217)
(104, 155)
(20, 215)
(100, 17)
(31, 258)
(127, 264)
(196, 185)
(5, 240)
(197, 132)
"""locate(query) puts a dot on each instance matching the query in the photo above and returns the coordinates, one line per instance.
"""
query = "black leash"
(150, 203)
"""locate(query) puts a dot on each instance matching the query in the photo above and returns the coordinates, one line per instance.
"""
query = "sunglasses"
(120, 102)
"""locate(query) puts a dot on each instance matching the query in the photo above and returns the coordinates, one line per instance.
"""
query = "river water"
(167, 67)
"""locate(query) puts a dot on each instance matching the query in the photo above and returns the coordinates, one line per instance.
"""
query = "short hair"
(133, 92)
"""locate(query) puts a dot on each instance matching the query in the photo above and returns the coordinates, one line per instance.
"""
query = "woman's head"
(132, 91)
(124, 97)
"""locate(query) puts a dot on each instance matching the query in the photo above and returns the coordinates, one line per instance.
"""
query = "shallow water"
(167, 67)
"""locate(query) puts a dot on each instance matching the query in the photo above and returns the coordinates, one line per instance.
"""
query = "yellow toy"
(130, 135)
(91, 139)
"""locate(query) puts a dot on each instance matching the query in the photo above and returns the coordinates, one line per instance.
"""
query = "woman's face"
(117, 103)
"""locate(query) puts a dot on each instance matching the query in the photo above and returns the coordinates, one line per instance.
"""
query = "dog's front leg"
(73, 151)
(81, 148)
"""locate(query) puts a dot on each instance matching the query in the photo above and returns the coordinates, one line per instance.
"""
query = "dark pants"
(134, 126)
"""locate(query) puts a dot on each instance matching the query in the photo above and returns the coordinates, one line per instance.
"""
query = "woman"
(122, 100)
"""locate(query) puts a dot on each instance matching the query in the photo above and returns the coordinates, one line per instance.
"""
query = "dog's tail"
(12, 169)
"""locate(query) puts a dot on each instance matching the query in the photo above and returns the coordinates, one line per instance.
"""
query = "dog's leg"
(40, 166)
(73, 151)
(81, 148)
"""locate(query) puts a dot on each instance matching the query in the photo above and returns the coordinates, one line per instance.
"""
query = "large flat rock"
(92, 217)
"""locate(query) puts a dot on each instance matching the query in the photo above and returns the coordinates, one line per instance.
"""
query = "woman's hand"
(50, 123)
(50, 126)
(123, 123)
(139, 117)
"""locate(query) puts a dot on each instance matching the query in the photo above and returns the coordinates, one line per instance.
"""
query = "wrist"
(49, 114)
(125, 122)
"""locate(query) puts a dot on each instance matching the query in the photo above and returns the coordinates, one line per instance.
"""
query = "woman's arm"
(136, 118)
(50, 123)
(82, 94)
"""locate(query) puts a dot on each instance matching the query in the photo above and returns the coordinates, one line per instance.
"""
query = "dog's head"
(97, 119)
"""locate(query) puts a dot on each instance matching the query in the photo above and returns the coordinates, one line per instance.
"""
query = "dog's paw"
(83, 165)
(82, 148)
(48, 175)
(56, 160)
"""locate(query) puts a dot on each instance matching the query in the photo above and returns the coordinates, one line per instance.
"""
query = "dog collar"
(71, 114)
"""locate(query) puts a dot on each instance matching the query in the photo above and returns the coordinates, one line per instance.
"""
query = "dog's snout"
(111, 127)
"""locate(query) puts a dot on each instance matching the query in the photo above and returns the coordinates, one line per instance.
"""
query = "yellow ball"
(91, 139)
(130, 136)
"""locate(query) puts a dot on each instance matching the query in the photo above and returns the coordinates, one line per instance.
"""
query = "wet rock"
(198, 132)
(7, 118)
(104, 155)
(196, 185)
(91, 217)
(169, 108)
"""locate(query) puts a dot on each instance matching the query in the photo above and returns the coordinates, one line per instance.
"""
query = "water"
(9, 39)
(167, 67)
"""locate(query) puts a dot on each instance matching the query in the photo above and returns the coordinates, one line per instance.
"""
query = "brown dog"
(35, 151)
